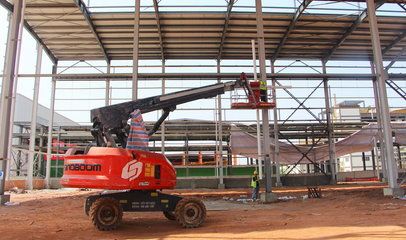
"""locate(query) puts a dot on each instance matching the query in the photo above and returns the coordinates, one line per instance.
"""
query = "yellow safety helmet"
(255, 173)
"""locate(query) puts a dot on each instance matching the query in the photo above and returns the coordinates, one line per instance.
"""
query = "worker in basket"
(255, 186)
(263, 91)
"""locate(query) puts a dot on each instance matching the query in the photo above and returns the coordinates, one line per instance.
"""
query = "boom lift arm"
(113, 119)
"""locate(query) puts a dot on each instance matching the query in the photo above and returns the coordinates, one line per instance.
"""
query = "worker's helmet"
(255, 173)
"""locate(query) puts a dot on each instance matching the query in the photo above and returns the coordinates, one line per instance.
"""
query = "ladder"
(396, 88)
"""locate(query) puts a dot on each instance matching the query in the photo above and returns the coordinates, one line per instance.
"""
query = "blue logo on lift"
(1, 175)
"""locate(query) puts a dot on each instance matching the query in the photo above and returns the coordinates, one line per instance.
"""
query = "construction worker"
(255, 186)
(263, 91)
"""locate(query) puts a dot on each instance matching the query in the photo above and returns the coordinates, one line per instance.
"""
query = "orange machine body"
(118, 169)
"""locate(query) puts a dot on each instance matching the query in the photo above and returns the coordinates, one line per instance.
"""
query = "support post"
(364, 165)
(136, 49)
(400, 157)
(8, 85)
(31, 149)
(220, 133)
(268, 196)
(275, 129)
(50, 129)
(373, 160)
(378, 112)
(259, 147)
(10, 151)
(107, 93)
(393, 186)
(331, 144)
(163, 123)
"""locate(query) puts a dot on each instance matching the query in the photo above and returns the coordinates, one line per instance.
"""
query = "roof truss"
(302, 7)
(224, 32)
(81, 5)
(158, 24)
(350, 30)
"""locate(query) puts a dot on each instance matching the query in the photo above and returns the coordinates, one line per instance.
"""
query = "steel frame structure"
(59, 25)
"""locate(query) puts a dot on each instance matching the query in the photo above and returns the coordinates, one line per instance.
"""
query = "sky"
(74, 100)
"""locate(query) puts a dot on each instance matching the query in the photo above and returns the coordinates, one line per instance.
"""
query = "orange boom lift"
(139, 175)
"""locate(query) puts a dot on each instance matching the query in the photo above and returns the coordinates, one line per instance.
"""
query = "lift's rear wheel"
(106, 213)
(190, 212)
(169, 215)
(86, 209)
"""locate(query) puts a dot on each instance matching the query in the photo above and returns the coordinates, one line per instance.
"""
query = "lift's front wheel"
(106, 213)
(190, 212)
(170, 215)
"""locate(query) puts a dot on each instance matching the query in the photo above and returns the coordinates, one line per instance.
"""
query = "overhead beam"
(158, 24)
(9, 7)
(200, 76)
(300, 10)
(350, 30)
(89, 21)
(225, 27)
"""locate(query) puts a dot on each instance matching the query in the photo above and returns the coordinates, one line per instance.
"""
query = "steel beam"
(158, 24)
(107, 91)
(350, 30)
(8, 87)
(136, 49)
(220, 133)
(259, 147)
(378, 112)
(31, 149)
(402, 6)
(225, 27)
(82, 6)
(10, 138)
(190, 76)
(10, 7)
(300, 10)
(381, 80)
(400, 54)
(331, 148)
(275, 130)
(50, 130)
(394, 43)
(268, 195)
(163, 128)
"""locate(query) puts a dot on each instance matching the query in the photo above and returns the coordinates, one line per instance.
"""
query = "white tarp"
(245, 144)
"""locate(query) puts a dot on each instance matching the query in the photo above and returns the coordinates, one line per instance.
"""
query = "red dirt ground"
(344, 212)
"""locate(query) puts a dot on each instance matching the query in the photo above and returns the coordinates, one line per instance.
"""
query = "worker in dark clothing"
(255, 186)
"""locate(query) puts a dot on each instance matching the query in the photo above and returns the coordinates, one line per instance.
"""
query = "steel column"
(268, 196)
(31, 149)
(10, 138)
(163, 123)
(136, 49)
(9, 80)
(378, 113)
(50, 130)
(331, 144)
(275, 130)
(259, 147)
(107, 93)
(382, 76)
(220, 132)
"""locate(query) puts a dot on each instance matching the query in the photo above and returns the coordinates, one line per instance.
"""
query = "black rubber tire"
(190, 212)
(169, 215)
(84, 209)
(106, 213)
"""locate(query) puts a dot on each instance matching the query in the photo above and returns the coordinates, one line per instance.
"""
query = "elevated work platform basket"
(250, 98)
